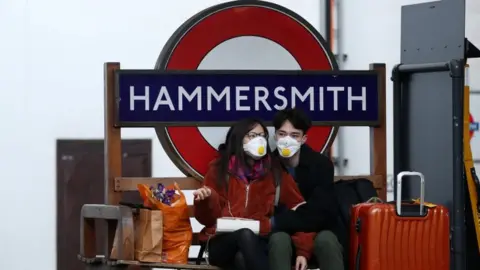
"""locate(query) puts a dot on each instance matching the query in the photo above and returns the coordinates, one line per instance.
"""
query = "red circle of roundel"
(217, 26)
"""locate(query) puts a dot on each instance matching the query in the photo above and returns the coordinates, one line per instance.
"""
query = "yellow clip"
(427, 204)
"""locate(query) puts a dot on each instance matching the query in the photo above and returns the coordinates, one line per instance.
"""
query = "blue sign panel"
(150, 97)
(474, 126)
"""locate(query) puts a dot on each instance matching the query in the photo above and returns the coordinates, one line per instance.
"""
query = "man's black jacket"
(314, 176)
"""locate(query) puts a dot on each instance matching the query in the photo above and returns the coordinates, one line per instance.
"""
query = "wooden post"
(378, 135)
(113, 150)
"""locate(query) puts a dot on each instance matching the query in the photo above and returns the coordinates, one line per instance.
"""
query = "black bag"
(351, 192)
(348, 194)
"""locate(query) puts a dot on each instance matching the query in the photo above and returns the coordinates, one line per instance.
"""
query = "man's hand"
(202, 193)
(301, 263)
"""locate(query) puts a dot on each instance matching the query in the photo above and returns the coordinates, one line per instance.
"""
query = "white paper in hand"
(231, 224)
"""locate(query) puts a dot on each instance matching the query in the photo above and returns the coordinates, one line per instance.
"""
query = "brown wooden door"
(80, 174)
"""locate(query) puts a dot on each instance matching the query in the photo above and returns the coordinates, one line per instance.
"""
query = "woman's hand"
(202, 193)
(301, 263)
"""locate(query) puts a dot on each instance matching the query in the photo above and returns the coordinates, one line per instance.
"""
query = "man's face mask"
(288, 146)
(256, 147)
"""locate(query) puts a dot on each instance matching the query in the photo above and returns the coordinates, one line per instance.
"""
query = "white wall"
(52, 55)
(51, 74)
(473, 33)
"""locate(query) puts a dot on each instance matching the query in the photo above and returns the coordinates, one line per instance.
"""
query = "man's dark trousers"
(327, 251)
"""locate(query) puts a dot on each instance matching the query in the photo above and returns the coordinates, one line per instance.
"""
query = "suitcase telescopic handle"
(400, 177)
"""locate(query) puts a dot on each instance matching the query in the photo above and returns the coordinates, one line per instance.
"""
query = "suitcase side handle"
(400, 177)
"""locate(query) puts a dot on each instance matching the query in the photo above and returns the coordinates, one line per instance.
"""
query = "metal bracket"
(118, 213)
(336, 162)
(341, 57)
(457, 68)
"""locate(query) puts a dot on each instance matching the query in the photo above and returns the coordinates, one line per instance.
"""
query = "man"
(314, 174)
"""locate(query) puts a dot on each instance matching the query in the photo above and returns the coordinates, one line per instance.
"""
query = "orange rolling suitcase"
(354, 245)
(402, 236)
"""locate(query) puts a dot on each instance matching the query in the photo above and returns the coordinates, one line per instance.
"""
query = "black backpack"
(349, 193)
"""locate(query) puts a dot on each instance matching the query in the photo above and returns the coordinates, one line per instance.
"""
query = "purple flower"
(163, 194)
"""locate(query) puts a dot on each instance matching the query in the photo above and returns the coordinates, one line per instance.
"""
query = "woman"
(241, 183)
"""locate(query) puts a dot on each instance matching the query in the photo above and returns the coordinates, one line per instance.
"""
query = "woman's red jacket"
(253, 201)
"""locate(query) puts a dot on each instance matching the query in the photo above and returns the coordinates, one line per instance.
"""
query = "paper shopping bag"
(128, 241)
(149, 236)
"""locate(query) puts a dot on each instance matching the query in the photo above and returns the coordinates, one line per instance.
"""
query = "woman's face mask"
(288, 146)
(256, 147)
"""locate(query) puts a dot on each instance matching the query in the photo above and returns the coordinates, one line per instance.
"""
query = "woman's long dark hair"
(233, 146)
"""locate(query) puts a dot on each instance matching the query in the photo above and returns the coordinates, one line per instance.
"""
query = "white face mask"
(256, 147)
(288, 146)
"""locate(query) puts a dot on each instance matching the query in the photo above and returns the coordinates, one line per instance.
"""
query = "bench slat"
(167, 265)
(130, 183)
(190, 183)
(191, 211)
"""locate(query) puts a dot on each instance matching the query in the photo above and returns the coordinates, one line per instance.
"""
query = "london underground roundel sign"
(239, 36)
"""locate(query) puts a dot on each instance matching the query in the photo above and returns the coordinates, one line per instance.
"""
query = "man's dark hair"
(297, 117)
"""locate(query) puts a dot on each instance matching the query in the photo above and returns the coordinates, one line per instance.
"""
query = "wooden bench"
(113, 215)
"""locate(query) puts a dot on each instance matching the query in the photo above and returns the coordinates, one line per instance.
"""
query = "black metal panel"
(428, 104)
(433, 32)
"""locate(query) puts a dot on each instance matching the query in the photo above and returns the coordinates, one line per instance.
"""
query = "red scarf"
(257, 171)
